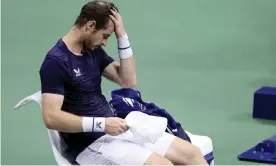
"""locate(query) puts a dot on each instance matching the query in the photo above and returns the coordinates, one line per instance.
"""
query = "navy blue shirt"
(78, 79)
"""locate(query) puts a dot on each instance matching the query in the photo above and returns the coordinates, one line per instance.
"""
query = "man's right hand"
(115, 126)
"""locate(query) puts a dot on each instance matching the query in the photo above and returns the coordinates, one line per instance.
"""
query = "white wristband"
(124, 48)
(93, 124)
(123, 42)
(99, 125)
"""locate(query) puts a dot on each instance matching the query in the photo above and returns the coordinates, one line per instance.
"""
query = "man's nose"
(104, 42)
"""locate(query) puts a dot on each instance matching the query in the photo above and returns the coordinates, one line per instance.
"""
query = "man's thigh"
(111, 151)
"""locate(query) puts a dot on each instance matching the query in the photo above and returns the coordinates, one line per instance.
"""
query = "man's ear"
(91, 26)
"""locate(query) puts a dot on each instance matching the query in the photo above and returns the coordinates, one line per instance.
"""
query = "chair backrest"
(57, 144)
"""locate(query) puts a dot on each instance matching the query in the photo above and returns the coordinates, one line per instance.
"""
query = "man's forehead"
(110, 27)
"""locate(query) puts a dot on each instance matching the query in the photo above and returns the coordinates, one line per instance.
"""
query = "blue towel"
(125, 100)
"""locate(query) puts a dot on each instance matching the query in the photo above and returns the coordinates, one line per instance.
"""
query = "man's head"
(95, 23)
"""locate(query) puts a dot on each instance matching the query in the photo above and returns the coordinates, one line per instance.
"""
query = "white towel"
(143, 128)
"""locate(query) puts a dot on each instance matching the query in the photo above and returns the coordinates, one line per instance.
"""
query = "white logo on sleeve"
(77, 72)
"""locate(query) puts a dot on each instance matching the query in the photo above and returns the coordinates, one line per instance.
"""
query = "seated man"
(73, 103)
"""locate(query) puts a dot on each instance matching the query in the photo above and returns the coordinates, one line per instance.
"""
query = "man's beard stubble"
(89, 45)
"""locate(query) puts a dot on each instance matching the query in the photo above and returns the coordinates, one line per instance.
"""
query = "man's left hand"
(118, 22)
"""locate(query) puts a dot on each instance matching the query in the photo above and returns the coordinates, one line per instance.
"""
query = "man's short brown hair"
(98, 10)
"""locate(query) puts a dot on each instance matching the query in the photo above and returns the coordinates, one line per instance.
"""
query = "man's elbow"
(49, 121)
(130, 83)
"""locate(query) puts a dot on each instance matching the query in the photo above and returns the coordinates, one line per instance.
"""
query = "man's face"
(97, 38)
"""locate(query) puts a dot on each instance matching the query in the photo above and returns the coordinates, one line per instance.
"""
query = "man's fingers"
(115, 9)
(124, 127)
(120, 131)
(112, 18)
(113, 12)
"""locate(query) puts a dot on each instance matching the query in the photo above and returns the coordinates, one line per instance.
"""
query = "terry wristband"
(93, 124)
(124, 47)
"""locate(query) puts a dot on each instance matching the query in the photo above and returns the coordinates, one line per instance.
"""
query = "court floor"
(200, 60)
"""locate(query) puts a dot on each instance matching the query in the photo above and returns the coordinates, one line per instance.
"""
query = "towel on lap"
(125, 100)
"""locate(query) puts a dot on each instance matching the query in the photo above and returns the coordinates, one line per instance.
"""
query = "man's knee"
(156, 159)
(195, 156)
(182, 152)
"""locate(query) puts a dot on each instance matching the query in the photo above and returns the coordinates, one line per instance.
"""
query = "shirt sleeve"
(105, 59)
(52, 77)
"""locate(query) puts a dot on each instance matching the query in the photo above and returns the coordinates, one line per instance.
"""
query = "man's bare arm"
(122, 73)
(55, 118)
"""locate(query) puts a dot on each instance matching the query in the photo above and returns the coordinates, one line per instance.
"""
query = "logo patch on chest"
(77, 72)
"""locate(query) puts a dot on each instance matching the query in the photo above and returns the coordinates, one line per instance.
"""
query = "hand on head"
(118, 23)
